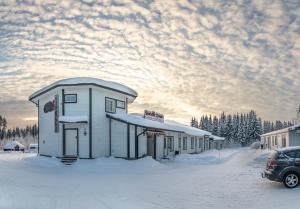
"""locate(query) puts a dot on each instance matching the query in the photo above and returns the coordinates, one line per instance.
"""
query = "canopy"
(73, 119)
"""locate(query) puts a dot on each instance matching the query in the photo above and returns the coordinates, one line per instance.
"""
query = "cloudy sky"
(184, 58)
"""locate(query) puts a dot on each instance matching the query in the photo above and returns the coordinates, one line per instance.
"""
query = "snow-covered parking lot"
(190, 181)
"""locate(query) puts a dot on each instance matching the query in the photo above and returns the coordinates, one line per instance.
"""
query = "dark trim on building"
(90, 123)
(63, 126)
(69, 95)
(136, 143)
(128, 140)
(63, 102)
(64, 140)
(45, 155)
(38, 106)
(77, 138)
(110, 136)
(154, 147)
(81, 84)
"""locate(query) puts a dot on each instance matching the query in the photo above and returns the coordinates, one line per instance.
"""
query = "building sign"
(56, 113)
(48, 107)
(53, 106)
(152, 115)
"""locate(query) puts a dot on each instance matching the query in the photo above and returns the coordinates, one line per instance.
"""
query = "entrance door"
(169, 146)
(150, 146)
(71, 142)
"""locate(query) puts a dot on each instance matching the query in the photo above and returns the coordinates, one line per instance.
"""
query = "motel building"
(88, 118)
(286, 137)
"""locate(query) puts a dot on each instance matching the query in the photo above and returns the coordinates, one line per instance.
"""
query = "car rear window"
(291, 154)
(273, 155)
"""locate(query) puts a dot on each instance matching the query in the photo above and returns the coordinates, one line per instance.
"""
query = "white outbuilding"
(88, 118)
(13, 146)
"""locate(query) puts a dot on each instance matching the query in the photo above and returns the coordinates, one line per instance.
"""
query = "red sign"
(152, 115)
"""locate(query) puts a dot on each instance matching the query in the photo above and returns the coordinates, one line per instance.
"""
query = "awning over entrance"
(73, 119)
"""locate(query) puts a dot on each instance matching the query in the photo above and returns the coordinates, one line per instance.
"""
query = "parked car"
(283, 165)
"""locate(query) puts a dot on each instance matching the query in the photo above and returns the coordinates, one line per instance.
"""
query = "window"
(120, 104)
(192, 143)
(200, 142)
(184, 143)
(179, 143)
(165, 143)
(290, 154)
(110, 105)
(298, 154)
(170, 143)
(70, 98)
(283, 140)
(276, 140)
(196, 142)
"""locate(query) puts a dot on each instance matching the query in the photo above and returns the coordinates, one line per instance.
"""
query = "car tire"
(291, 180)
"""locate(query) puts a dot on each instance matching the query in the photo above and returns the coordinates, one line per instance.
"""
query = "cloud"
(202, 56)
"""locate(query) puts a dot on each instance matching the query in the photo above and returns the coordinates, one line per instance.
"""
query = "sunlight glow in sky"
(184, 58)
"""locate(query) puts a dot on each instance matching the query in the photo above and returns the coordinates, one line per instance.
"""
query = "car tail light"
(272, 164)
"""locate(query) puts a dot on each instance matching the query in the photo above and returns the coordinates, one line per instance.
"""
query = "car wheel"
(291, 180)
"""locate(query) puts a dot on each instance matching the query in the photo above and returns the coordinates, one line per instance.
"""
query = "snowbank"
(207, 157)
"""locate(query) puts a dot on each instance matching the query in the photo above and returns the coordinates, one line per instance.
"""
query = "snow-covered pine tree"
(222, 125)
(215, 126)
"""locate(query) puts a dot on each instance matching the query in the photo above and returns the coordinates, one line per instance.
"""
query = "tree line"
(11, 133)
(239, 128)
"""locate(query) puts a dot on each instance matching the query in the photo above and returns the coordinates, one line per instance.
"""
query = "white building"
(286, 137)
(88, 118)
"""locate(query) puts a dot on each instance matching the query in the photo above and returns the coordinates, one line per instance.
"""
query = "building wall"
(118, 139)
(100, 121)
(50, 143)
(294, 138)
(81, 108)
(269, 141)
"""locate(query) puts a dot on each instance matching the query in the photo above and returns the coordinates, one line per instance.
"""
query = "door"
(72, 142)
(169, 149)
(150, 146)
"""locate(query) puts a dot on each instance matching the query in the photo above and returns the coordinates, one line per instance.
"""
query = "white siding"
(50, 143)
(118, 139)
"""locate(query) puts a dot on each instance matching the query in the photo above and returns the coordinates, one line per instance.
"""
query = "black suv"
(283, 165)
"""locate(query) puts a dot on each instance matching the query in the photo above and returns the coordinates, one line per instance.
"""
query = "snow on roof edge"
(87, 81)
(281, 130)
(139, 120)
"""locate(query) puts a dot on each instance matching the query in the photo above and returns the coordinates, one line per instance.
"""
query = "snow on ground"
(189, 181)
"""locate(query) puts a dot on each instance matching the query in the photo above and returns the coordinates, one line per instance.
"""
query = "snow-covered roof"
(167, 125)
(284, 130)
(73, 119)
(13, 144)
(87, 81)
(218, 138)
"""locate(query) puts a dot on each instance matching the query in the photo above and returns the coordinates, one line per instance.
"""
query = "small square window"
(120, 104)
(70, 98)
(110, 105)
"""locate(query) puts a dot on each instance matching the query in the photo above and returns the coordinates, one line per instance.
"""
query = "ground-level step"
(68, 159)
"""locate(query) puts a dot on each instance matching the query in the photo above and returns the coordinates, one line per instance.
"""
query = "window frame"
(115, 105)
(66, 102)
(184, 141)
(121, 107)
(192, 143)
